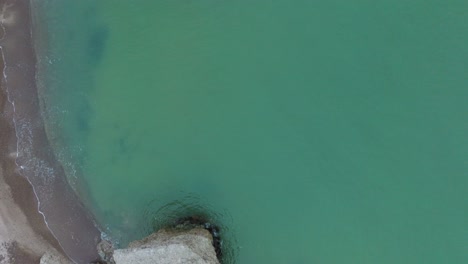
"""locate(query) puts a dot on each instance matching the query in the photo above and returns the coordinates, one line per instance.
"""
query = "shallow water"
(311, 132)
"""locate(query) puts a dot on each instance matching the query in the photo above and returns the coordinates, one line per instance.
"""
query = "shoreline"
(37, 181)
(24, 236)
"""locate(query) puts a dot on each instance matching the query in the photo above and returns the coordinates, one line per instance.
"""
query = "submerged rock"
(105, 251)
(170, 246)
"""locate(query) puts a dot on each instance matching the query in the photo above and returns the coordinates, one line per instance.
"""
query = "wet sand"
(28, 169)
(24, 237)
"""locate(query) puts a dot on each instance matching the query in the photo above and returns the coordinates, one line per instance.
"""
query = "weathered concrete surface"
(169, 246)
(54, 257)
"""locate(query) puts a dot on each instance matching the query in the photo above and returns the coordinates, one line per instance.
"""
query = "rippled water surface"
(311, 131)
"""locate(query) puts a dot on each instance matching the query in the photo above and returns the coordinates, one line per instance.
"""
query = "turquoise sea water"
(311, 131)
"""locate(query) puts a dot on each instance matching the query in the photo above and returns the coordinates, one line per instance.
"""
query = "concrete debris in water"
(170, 246)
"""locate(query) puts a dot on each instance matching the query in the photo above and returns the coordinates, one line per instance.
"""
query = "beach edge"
(29, 229)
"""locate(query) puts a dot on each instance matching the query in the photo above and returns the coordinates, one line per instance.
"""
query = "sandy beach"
(28, 169)
(24, 237)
